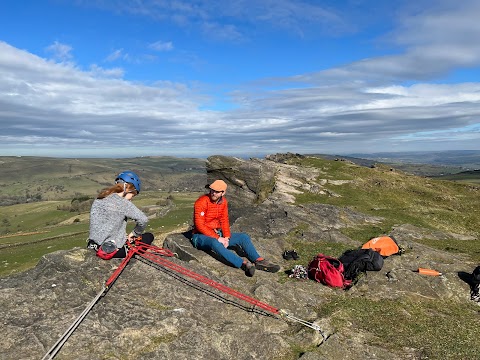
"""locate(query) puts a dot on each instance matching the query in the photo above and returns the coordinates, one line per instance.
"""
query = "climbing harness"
(154, 256)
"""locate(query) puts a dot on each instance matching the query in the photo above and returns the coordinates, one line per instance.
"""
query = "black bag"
(476, 275)
(360, 260)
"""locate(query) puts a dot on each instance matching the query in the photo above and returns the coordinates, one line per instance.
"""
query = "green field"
(39, 228)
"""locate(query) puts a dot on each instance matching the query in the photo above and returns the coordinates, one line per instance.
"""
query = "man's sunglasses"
(215, 191)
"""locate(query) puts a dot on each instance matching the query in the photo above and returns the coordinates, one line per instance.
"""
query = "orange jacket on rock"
(209, 216)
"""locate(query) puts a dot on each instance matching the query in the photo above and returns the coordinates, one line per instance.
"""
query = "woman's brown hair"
(117, 188)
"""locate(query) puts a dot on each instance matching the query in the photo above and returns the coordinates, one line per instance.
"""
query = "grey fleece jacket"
(108, 219)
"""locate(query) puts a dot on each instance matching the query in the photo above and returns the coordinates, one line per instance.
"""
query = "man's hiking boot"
(266, 265)
(249, 268)
(475, 293)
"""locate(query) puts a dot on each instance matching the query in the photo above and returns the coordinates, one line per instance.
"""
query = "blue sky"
(121, 78)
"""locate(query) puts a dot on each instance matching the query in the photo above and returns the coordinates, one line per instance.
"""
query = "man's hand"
(224, 241)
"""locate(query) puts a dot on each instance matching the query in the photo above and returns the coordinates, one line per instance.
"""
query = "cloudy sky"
(116, 78)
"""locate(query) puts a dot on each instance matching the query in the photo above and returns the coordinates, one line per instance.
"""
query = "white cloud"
(60, 52)
(354, 107)
(161, 46)
(218, 19)
(97, 71)
(41, 98)
(115, 55)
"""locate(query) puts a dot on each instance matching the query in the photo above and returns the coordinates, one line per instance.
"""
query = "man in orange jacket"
(212, 232)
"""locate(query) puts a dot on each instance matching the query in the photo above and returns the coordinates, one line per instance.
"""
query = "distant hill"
(471, 176)
(29, 178)
(465, 159)
(427, 163)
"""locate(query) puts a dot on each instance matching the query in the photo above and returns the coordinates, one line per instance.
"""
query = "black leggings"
(147, 238)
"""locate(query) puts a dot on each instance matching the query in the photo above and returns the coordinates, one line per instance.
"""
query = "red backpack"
(328, 271)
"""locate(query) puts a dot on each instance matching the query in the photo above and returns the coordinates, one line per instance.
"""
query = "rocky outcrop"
(150, 314)
(250, 181)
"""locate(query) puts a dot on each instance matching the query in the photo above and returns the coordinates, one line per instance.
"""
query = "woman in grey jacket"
(109, 215)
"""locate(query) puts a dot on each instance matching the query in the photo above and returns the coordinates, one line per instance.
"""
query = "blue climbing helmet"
(129, 177)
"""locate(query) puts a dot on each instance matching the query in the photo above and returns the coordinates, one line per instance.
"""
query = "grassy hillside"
(395, 319)
(28, 179)
(413, 166)
(400, 198)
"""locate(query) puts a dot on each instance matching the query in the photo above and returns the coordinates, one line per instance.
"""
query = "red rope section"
(119, 269)
(138, 247)
(151, 253)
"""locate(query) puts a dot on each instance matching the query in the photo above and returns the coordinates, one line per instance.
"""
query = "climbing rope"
(154, 255)
(63, 339)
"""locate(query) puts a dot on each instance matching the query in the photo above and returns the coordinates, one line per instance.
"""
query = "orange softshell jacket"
(209, 216)
(385, 245)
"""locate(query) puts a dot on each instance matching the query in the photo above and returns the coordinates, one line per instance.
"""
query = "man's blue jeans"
(206, 243)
